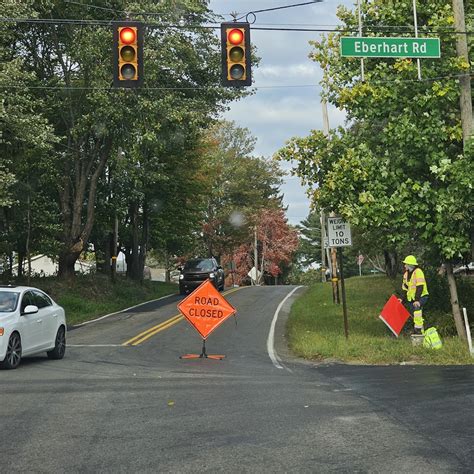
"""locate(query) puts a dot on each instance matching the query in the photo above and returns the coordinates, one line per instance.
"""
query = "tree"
(309, 250)
(70, 64)
(239, 184)
(399, 169)
(26, 142)
(277, 243)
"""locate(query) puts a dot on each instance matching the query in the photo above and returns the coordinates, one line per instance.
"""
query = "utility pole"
(465, 80)
(323, 250)
(333, 259)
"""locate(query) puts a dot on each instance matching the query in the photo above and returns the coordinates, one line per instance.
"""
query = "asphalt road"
(109, 407)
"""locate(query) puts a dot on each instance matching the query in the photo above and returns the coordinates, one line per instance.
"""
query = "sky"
(276, 113)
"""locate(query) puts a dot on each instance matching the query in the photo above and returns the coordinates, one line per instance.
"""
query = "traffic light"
(235, 41)
(128, 54)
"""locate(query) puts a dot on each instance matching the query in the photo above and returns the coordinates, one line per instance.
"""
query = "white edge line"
(121, 311)
(271, 335)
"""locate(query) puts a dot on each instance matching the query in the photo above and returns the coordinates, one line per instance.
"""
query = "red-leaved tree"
(276, 243)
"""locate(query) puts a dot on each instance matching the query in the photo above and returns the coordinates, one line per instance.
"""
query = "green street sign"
(376, 47)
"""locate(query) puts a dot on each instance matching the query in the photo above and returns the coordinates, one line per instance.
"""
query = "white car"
(30, 323)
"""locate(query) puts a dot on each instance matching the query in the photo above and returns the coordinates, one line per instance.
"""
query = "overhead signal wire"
(216, 26)
(146, 89)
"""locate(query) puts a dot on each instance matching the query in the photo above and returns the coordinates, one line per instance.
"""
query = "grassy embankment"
(316, 328)
(88, 297)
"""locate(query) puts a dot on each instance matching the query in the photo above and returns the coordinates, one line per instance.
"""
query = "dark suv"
(198, 270)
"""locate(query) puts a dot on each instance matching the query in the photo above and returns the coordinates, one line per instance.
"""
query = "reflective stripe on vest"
(418, 319)
(417, 279)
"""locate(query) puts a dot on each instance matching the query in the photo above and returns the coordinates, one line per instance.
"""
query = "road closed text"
(206, 311)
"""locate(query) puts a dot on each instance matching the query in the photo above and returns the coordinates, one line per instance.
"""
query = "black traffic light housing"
(128, 54)
(236, 65)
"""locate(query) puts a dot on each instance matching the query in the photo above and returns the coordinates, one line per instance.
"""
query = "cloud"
(303, 72)
(278, 111)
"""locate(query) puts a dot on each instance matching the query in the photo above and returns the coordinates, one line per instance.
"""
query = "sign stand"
(203, 354)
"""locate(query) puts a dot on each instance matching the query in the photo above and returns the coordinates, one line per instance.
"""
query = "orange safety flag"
(394, 315)
(206, 309)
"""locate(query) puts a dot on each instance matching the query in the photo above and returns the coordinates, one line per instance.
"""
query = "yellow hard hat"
(410, 260)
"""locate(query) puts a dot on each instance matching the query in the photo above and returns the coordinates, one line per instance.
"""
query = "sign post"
(205, 309)
(339, 234)
(360, 259)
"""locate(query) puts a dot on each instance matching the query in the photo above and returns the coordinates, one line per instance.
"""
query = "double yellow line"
(143, 336)
(150, 332)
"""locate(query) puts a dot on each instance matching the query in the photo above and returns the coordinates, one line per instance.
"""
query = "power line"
(216, 26)
(255, 87)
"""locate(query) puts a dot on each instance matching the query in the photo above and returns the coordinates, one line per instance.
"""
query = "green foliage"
(62, 126)
(239, 185)
(398, 172)
(309, 250)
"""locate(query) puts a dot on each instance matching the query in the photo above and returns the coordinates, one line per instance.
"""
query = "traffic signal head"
(128, 54)
(235, 42)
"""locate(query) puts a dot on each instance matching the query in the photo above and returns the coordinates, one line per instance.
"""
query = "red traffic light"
(128, 54)
(236, 36)
(236, 53)
(128, 35)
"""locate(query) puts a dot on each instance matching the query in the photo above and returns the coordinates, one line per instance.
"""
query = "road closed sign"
(339, 232)
(206, 309)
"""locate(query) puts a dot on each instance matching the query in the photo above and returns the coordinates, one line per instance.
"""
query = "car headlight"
(212, 275)
(181, 277)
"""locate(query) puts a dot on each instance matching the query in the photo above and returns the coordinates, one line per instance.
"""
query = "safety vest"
(431, 339)
(417, 278)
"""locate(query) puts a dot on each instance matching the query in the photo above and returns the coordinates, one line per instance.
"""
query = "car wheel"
(182, 290)
(13, 355)
(59, 345)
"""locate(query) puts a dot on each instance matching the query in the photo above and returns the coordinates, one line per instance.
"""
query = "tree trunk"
(67, 261)
(133, 266)
(144, 243)
(458, 320)
(391, 263)
(21, 258)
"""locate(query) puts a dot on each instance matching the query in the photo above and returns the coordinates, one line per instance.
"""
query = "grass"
(88, 297)
(316, 329)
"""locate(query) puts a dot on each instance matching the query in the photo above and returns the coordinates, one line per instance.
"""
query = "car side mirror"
(219, 267)
(30, 309)
(179, 268)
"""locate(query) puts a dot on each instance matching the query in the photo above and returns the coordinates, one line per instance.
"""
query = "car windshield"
(8, 301)
(201, 264)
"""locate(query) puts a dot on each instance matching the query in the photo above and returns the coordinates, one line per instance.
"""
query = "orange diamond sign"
(206, 309)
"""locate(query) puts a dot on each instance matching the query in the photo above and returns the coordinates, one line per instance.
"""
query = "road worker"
(415, 291)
